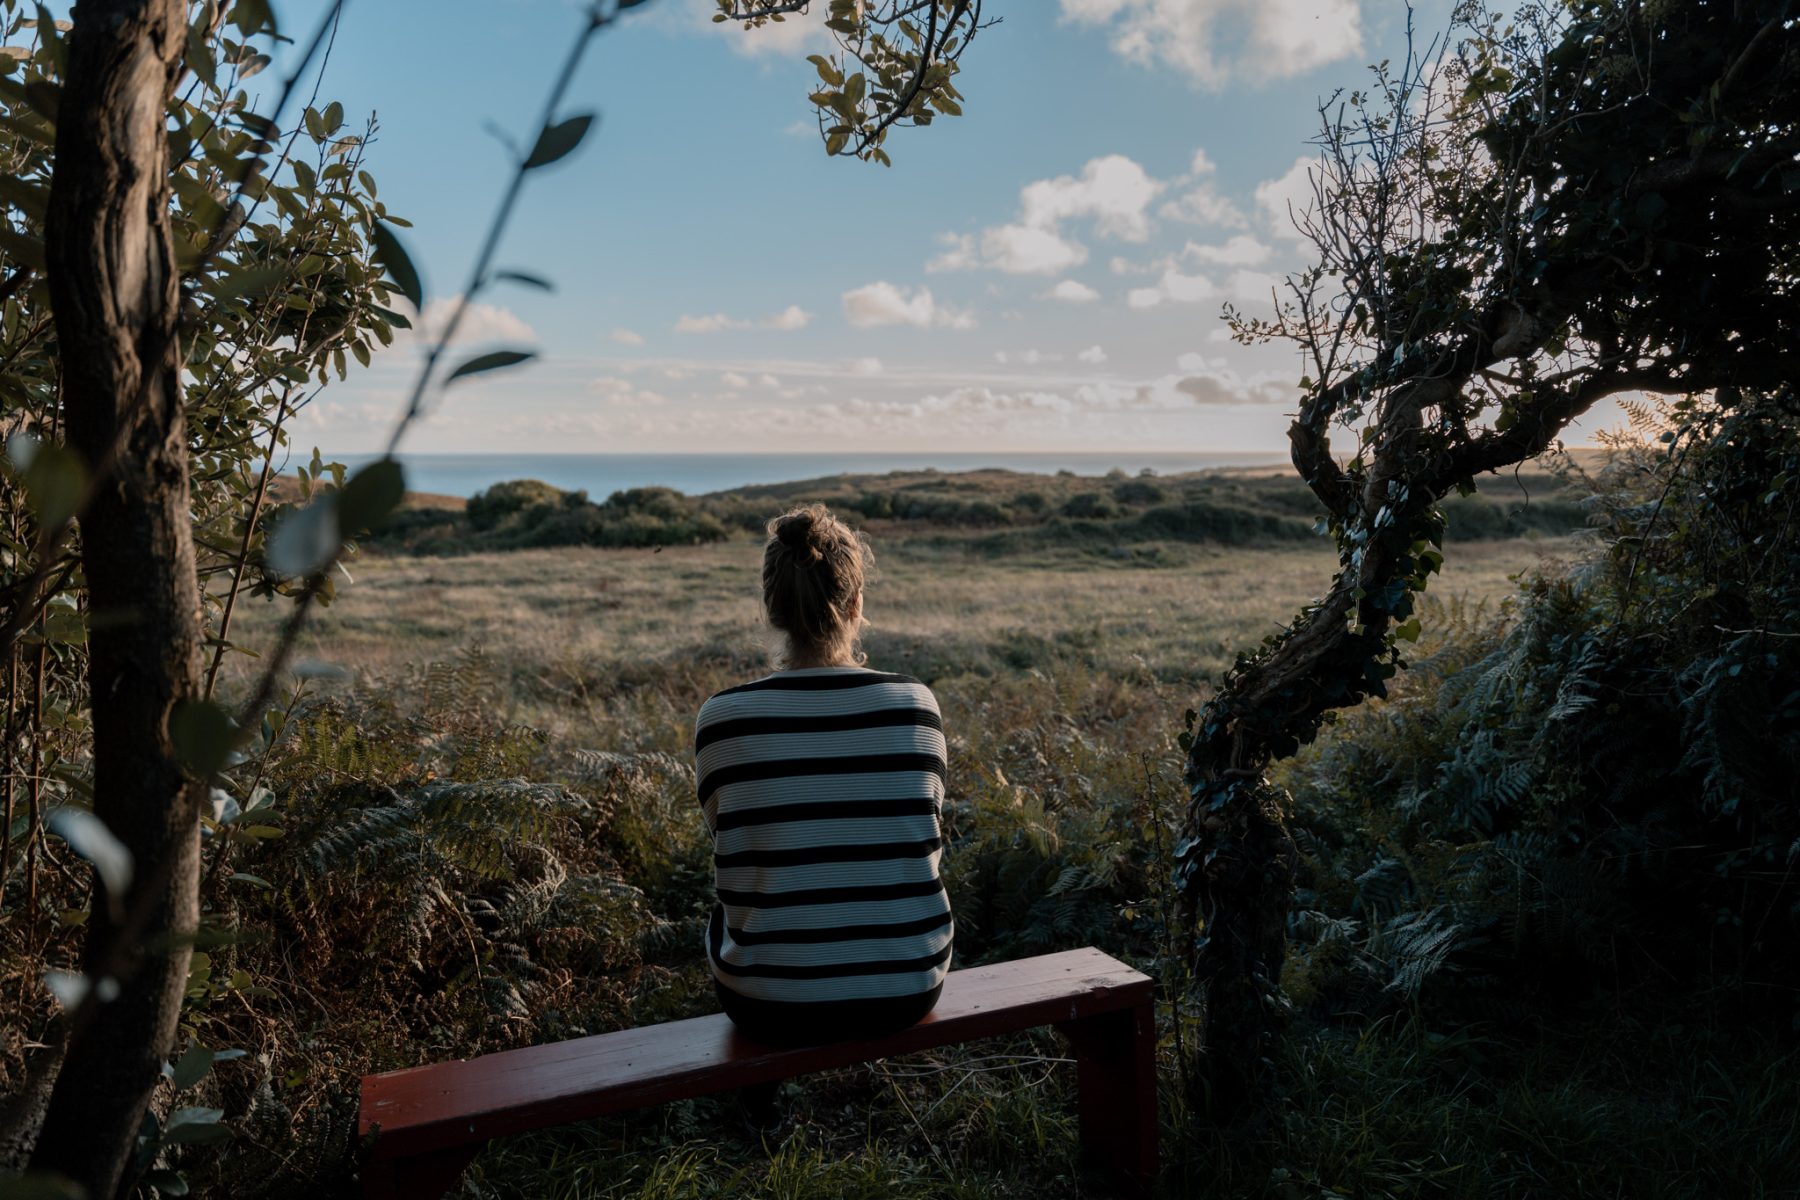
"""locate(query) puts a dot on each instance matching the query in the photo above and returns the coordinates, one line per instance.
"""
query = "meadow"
(489, 839)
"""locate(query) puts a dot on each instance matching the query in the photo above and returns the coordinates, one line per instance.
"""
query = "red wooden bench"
(421, 1127)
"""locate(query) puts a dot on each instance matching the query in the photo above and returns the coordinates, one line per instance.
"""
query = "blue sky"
(1044, 273)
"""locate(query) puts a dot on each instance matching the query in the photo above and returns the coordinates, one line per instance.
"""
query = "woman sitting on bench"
(821, 785)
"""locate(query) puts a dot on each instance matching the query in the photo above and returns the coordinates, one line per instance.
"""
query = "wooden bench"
(421, 1127)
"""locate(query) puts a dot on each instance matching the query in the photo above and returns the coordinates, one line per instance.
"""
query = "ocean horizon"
(599, 475)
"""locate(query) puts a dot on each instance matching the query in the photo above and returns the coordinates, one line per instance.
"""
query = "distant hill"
(988, 511)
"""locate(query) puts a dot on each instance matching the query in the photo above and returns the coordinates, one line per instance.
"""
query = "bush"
(1090, 506)
(488, 508)
(1139, 492)
(1603, 791)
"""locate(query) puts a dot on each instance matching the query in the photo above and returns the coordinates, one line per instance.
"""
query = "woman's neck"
(808, 662)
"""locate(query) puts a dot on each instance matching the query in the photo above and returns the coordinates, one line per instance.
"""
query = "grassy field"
(1062, 671)
(1062, 664)
(576, 626)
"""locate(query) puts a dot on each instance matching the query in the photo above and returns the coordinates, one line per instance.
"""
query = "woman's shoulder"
(854, 685)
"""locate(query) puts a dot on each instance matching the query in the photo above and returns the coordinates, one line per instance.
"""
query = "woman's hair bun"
(813, 571)
(794, 529)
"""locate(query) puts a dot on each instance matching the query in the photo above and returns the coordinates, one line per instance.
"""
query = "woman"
(821, 785)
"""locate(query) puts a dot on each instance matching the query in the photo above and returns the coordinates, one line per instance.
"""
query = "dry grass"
(566, 621)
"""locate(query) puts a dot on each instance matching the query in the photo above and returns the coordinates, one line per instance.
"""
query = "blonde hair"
(813, 571)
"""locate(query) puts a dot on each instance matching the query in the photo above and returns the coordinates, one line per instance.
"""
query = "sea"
(599, 475)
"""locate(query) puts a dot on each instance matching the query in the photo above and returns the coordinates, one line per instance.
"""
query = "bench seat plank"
(430, 1108)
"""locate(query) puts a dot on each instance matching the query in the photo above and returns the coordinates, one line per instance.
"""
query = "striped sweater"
(821, 788)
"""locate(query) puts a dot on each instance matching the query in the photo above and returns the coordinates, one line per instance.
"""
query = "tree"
(1591, 198)
(895, 63)
(110, 260)
(170, 296)
(203, 324)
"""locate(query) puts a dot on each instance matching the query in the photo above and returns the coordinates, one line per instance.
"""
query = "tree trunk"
(1236, 860)
(113, 285)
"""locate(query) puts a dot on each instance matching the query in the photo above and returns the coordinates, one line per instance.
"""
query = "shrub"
(1603, 791)
(488, 508)
(1138, 492)
(1090, 506)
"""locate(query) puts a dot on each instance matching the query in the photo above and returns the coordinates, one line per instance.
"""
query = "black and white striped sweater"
(821, 788)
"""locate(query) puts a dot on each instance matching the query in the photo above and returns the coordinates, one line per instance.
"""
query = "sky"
(1045, 273)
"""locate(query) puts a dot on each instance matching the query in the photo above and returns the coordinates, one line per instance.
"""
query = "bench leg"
(1115, 1056)
(423, 1177)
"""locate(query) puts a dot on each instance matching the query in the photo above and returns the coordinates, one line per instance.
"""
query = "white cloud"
(1282, 199)
(881, 303)
(1213, 381)
(732, 379)
(626, 337)
(1241, 251)
(622, 393)
(480, 323)
(767, 380)
(1202, 203)
(1093, 354)
(711, 323)
(1174, 287)
(791, 317)
(865, 366)
(1217, 42)
(1112, 191)
(1252, 285)
(1072, 291)
(960, 253)
(1023, 250)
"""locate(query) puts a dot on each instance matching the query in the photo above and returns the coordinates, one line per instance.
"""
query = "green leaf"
(492, 361)
(44, 97)
(536, 281)
(252, 16)
(195, 1126)
(395, 261)
(89, 837)
(200, 55)
(203, 735)
(53, 476)
(50, 35)
(192, 1066)
(370, 495)
(558, 140)
(252, 880)
(333, 117)
(251, 281)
